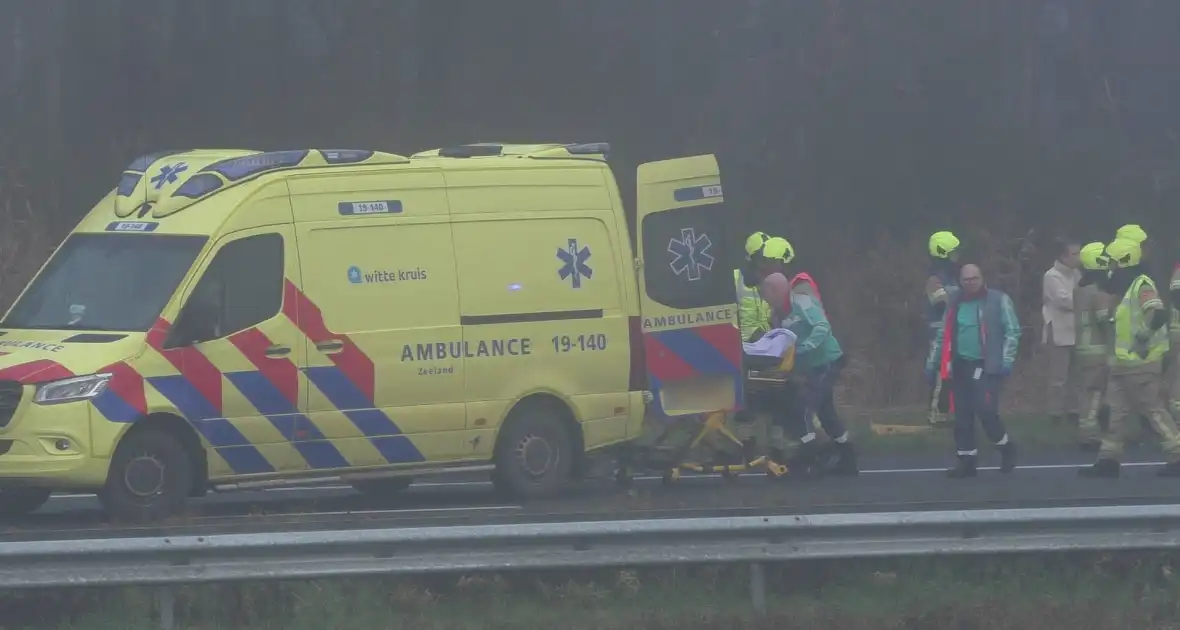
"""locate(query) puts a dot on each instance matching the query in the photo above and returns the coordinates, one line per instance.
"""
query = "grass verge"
(1033, 432)
(1099, 592)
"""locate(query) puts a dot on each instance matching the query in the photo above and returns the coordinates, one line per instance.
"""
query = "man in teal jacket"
(818, 356)
(976, 350)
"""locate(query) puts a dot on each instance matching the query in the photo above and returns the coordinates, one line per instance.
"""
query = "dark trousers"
(976, 398)
(784, 406)
(819, 400)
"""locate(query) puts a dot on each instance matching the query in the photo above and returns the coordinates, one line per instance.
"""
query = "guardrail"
(167, 561)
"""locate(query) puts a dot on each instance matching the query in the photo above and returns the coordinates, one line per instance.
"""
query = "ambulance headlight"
(71, 389)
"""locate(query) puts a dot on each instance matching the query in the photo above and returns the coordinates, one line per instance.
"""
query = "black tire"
(150, 478)
(382, 488)
(17, 502)
(534, 454)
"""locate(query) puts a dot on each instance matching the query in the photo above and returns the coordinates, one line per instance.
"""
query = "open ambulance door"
(692, 345)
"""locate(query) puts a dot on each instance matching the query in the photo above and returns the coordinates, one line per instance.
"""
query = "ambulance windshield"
(106, 282)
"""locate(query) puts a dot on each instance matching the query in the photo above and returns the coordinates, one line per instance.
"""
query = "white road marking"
(480, 484)
(479, 508)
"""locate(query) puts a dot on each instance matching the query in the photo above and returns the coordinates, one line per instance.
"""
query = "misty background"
(853, 128)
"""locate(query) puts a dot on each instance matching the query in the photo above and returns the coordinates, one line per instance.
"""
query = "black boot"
(965, 468)
(1073, 419)
(804, 462)
(1102, 469)
(1007, 457)
(845, 464)
(1171, 469)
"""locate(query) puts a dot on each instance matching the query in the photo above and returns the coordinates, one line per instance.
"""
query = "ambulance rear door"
(687, 255)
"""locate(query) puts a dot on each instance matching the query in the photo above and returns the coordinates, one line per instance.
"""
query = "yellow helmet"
(942, 244)
(1131, 232)
(1094, 257)
(777, 248)
(1124, 252)
(755, 242)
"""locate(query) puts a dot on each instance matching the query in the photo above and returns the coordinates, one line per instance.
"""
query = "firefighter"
(1138, 339)
(943, 279)
(1090, 306)
(941, 285)
(753, 311)
(1172, 366)
(782, 403)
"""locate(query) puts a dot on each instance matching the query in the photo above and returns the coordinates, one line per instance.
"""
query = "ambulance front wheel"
(16, 502)
(534, 453)
(150, 477)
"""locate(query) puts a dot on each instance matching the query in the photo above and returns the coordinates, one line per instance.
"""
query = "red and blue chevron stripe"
(196, 392)
(350, 383)
(273, 388)
(684, 353)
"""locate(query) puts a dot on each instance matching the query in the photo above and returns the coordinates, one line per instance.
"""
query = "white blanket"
(773, 344)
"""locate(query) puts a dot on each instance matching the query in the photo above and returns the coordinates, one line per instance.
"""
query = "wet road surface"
(887, 483)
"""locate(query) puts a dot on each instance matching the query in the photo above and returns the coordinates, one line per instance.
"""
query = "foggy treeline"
(853, 128)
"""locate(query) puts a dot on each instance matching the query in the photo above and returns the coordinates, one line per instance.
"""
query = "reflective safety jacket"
(941, 285)
(1174, 323)
(1131, 319)
(753, 311)
(1090, 310)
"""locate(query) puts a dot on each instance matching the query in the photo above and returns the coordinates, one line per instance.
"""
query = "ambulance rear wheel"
(150, 478)
(534, 453)
(22, 501)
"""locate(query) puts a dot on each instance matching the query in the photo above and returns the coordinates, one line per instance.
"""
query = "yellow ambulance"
(233, 318)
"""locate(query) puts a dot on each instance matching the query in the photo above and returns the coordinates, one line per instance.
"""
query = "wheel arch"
(561, 410)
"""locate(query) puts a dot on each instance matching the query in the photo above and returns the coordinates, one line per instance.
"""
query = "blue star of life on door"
(573, 259)
(691, 254)
(169, 173)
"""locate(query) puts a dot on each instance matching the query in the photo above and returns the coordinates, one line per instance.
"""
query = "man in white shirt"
(1058, 333)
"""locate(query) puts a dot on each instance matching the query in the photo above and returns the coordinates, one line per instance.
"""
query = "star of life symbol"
(574, 264)
(691, 254)
(169, 173)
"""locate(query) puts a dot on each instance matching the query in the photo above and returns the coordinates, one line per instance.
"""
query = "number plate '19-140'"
(352, 208)
(132, 226)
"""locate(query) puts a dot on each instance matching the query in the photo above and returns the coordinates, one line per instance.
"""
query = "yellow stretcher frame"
(715, 427)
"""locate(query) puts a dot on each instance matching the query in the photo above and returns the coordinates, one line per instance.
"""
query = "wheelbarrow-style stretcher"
(727, 454)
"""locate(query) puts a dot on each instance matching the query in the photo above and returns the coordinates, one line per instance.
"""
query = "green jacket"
(816, 345)
(999, 332)
(753, 311)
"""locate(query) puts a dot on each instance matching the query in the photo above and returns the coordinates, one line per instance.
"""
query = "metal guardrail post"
(758, 587)
(166, 607)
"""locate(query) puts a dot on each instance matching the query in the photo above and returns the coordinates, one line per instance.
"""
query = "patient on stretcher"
(774, 352)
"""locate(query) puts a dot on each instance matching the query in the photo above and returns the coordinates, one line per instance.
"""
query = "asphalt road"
(909, 482)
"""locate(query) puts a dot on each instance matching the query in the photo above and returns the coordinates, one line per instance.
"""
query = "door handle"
(330, 347)
(278, 351)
